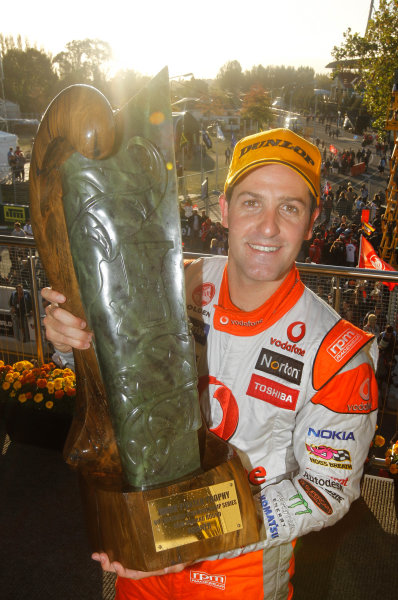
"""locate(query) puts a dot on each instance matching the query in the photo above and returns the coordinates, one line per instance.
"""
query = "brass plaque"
(194, 515)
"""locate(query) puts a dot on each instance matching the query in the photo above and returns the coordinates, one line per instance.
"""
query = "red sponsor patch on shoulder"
(203, 293)
(272, 392)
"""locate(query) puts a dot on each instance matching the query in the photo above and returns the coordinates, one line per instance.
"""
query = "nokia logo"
(282, 144)
(277, 364)
(329, 434)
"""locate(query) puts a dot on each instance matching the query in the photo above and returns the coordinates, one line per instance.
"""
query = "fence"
(353, 293)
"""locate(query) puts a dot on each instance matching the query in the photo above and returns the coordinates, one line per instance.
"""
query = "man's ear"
(313, 218)
(224, 210)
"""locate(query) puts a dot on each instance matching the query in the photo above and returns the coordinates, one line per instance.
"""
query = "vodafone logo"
(224, 320)
(376, 262)
(296, 331)
(203, 294)
(364, 390)
(227, 402)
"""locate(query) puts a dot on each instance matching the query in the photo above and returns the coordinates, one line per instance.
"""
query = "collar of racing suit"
(232, 320)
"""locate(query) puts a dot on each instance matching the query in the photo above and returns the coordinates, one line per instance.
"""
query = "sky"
(196, 37)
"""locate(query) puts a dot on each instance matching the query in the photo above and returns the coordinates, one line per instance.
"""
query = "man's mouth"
(264, 248)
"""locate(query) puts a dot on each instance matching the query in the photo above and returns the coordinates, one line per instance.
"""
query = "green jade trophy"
(157, 487)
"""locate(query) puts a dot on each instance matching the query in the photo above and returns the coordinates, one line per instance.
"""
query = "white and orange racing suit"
(291, 386)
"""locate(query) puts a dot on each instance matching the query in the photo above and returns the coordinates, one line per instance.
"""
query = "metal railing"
(330, 280)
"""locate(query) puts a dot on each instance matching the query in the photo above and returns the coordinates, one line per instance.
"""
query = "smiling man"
(281, 377)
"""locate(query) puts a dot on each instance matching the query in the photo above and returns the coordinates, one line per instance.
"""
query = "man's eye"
(250, 203)
(290, 209)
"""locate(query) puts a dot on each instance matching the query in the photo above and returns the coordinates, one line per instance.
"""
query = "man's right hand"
(63, 329)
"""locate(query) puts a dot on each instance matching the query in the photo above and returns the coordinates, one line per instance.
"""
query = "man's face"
(268, 218)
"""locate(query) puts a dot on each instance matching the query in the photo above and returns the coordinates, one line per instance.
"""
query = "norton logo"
(280, 365)
(203, 294)
(296, 331)
(217, 581)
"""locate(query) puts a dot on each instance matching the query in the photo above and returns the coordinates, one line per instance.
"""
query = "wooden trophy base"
(152, 529)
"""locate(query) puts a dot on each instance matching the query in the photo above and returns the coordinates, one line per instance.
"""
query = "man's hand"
(116, 567)
(63, 329)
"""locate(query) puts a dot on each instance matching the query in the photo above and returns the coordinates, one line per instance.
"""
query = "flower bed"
(38, 402)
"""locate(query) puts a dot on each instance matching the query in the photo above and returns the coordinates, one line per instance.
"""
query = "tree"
(374, 57)
(256, 105)
(230, 77)
(29, 79)
(83, 62)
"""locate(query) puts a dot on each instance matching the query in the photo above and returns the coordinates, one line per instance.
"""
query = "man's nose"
(268, 222)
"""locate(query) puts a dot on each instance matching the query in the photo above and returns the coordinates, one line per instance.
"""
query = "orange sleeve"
(354, 391)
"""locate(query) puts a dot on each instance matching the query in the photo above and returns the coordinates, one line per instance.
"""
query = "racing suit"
(291, 386)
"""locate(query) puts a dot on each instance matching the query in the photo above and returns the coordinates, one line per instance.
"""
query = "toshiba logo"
(217, 581)
(343, 344)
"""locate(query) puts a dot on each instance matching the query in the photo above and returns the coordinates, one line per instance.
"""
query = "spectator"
(20, 303)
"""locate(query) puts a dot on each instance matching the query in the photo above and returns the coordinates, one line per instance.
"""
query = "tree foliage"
(230, 77)
(83, 61)
(375, 55)
(256, 105)
(28, 79)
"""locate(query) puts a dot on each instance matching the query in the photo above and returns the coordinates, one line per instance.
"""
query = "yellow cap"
(281, 146)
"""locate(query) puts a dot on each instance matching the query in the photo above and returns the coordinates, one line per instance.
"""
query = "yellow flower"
(379, 441)
(50, 387)
(57, 372)
(17, 385)
(1, 363)
(9, 377)
(58, 383)
(6, 385)
(388, 452)
(394, 468)
(22, 398)
(49, 404)
(388, 460)
(38, 398)
(12, 394)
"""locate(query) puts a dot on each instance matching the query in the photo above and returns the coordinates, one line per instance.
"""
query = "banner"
(368, 259)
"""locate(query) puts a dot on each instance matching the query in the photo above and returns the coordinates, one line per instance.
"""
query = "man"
(20, 303)
(281, 377)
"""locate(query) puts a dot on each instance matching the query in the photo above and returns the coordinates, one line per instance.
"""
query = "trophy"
(158, 488)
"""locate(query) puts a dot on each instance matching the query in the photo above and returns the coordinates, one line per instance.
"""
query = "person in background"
(20, 303)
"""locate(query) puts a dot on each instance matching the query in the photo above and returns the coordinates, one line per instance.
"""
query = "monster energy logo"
(300, 501)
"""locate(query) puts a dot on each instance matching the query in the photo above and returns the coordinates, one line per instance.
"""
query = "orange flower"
(50, 387)
(6, 385)
(379, 441)
(58, 383)
(394, 468)
(59, 394)
(49, 404)
(41, 383)
(17, 385)
(22, 398)
(28, 395)
(71, 392)
(38, 398)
